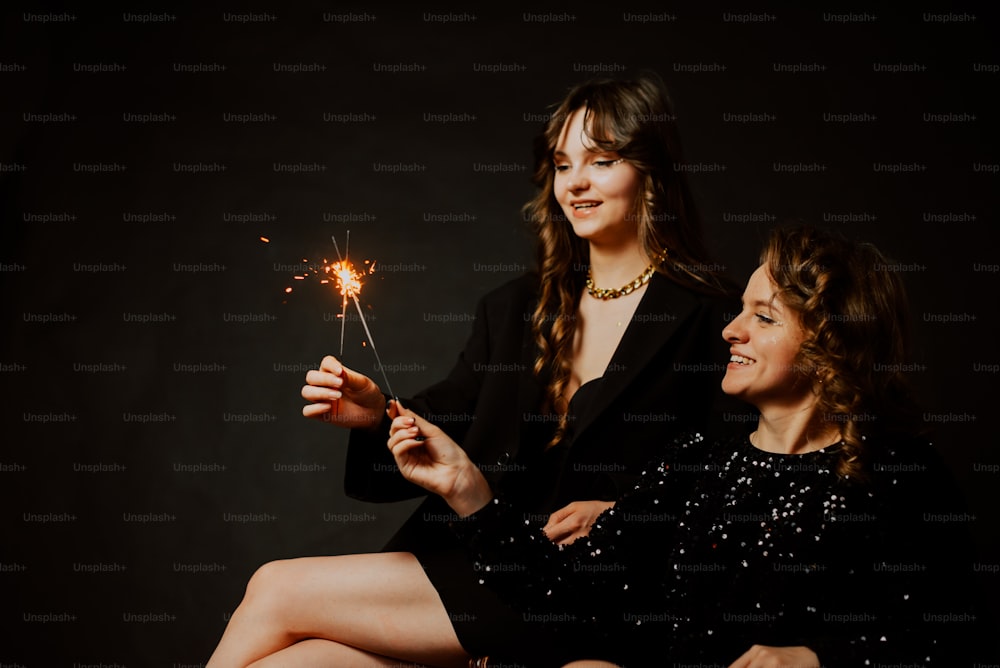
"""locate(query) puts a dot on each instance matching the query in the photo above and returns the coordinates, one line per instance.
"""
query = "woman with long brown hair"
(571, 376)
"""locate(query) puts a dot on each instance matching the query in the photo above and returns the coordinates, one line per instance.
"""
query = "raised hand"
(427, 457)
(342, 396)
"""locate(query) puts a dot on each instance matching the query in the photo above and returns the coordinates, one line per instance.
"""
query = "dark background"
(154, 453)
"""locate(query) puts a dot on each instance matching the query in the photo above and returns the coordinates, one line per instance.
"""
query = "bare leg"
(380, 603)
(326, 653)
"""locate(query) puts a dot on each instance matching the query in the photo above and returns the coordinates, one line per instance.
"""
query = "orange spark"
(347, 279)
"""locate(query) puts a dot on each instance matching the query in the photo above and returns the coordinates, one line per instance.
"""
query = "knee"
(271, 585)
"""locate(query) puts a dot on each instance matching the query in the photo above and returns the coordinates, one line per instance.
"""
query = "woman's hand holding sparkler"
(342, 396)
(427, 457)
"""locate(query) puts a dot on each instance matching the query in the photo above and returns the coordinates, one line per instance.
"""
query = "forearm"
(471, 492)
(372, 474)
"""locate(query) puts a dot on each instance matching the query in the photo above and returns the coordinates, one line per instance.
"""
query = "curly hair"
(635, 119)
(855, 318)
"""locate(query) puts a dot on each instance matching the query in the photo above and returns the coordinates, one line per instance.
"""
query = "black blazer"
(664, 379)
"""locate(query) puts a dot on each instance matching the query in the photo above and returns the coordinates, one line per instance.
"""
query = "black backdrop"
(153, 450)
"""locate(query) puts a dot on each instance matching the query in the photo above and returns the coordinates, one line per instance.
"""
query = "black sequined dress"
(721, 547)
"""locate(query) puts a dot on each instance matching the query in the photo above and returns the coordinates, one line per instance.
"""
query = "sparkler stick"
(349, 286)
(343, 304)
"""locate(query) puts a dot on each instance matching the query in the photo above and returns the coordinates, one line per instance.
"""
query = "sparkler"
(349, 284)
(343, 304)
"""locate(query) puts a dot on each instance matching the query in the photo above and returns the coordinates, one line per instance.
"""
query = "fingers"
(320, 392)
(562, 525)
(403, 437)
(403, 445)
(403, 423)
(333, 374)
(555, 519)
(426, 428)
(355, 381)
(331, 364)
(317, 393)
(329, 383)
(574, 520)
(763, 656)
(322, 380)
(561, 533)
(316, 409)
(560, 515)
(404, 417)
(556, 536)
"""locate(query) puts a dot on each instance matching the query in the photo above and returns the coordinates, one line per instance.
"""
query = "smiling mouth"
(586, 205)
(742, 361)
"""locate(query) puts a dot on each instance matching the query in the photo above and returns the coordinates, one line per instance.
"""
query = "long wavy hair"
(635, 119)
(854, 313)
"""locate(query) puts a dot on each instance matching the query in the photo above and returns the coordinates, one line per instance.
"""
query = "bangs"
(605, 131)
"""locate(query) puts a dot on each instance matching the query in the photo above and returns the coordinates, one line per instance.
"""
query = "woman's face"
(764, 340)
(596, 190)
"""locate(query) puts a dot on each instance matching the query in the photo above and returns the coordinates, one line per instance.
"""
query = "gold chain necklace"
(605, 294)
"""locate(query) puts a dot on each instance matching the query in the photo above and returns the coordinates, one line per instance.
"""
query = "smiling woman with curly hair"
(814, 538)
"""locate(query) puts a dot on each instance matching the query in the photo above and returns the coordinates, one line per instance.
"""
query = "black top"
(541, 470)
(725, 546)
